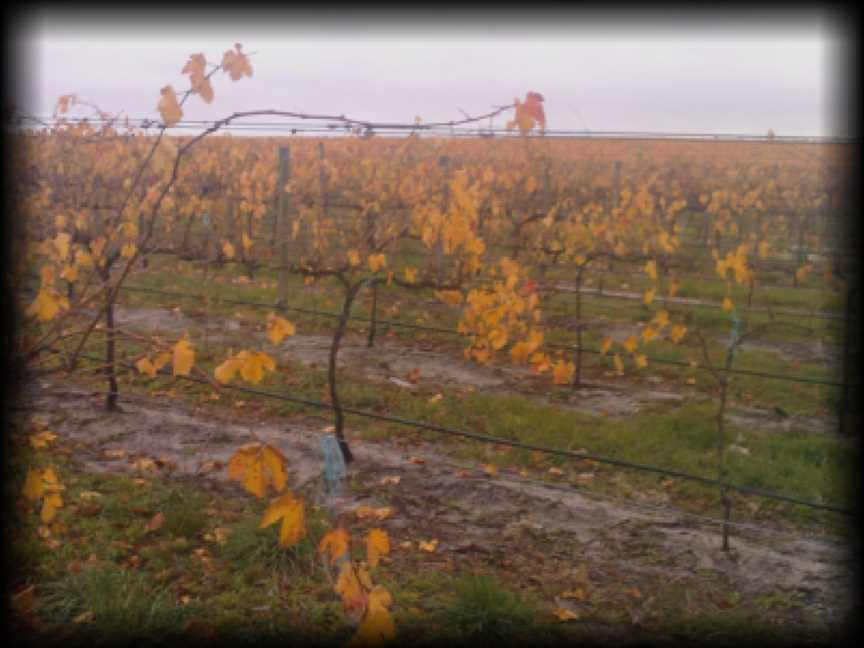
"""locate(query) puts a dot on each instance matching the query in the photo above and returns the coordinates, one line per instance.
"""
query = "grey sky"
(735, 74)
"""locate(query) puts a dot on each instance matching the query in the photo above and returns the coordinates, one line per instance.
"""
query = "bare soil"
(527, 531)
(389, 362)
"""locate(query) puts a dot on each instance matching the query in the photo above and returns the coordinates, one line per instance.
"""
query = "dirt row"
(537, 530)
(389, 362)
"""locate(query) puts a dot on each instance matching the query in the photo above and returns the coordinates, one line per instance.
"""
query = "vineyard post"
(280, 223)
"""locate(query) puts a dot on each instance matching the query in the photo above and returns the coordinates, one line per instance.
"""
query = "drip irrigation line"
(484, 438)
(435, 329)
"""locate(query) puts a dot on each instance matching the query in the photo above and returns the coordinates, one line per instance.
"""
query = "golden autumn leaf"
(33, 488)
(228, 249)
(563, 614)
(349, 589)
(376, 262)
(641, 360)
(46, 305)
(649, 333)
(168, 106)
(651, 269)
(605, 345)
(648, 297)
(619, 365)
(42, 439)
(410, 275)
(377, 625)
(226, 371)
(661, 318)
(184, 358)
(292, 512)
(254, 365)
(631, 343)
(562, 372)
(377, 544)
(678, 331)
(428, 546)
(146, 367)
(247, 242)
(278, 328)
(236, 64)
(335, 543)
(490, 469)
(728, 305)
(256, 466)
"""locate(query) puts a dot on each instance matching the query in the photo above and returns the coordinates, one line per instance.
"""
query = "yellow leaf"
(42, 440)
(228, 249)
(649, 333)
(651, 269)
(33, 488)
(353, 258)
(490, 469)
(674, 286)
(619, 365)
(254, 365)
(728, 305)
(256, 466)
(247, 242)
(161, 360)
(641, 360)
(661, 318)
(146, 367)
(52, 502)
(428, 546)
(128, 251)
(605, 344)
(802, 272)
(377, 544)
(349, 589)
(168, 106)
(563, 372)
(498, 338)
(335, 543)
(226, 371)
(648, 297)
(410, 275)
(278, 328)
(45, 307)
(564, 615)
(377, 626)
(274, 463)
(631, 343)
(678, 331)
(293, 515)
(70, 273)
(376, 262)
(184, 358)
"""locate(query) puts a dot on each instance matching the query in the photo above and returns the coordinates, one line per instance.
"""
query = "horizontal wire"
(387, 322)
(483, 438)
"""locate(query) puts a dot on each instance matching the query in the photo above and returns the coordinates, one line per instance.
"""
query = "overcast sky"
(722, 73)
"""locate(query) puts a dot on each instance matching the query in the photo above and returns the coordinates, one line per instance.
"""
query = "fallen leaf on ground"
(390, 481)
(155, 522)
(428, 545)
(416, 460)
(565, 615)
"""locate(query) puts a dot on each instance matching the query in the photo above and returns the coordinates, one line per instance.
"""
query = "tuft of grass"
(484, 612)
(124, 605)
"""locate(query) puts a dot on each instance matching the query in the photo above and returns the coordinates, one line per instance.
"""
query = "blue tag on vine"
(334, 463)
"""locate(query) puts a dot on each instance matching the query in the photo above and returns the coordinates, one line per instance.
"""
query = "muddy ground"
(389, 361)
(530, 531)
